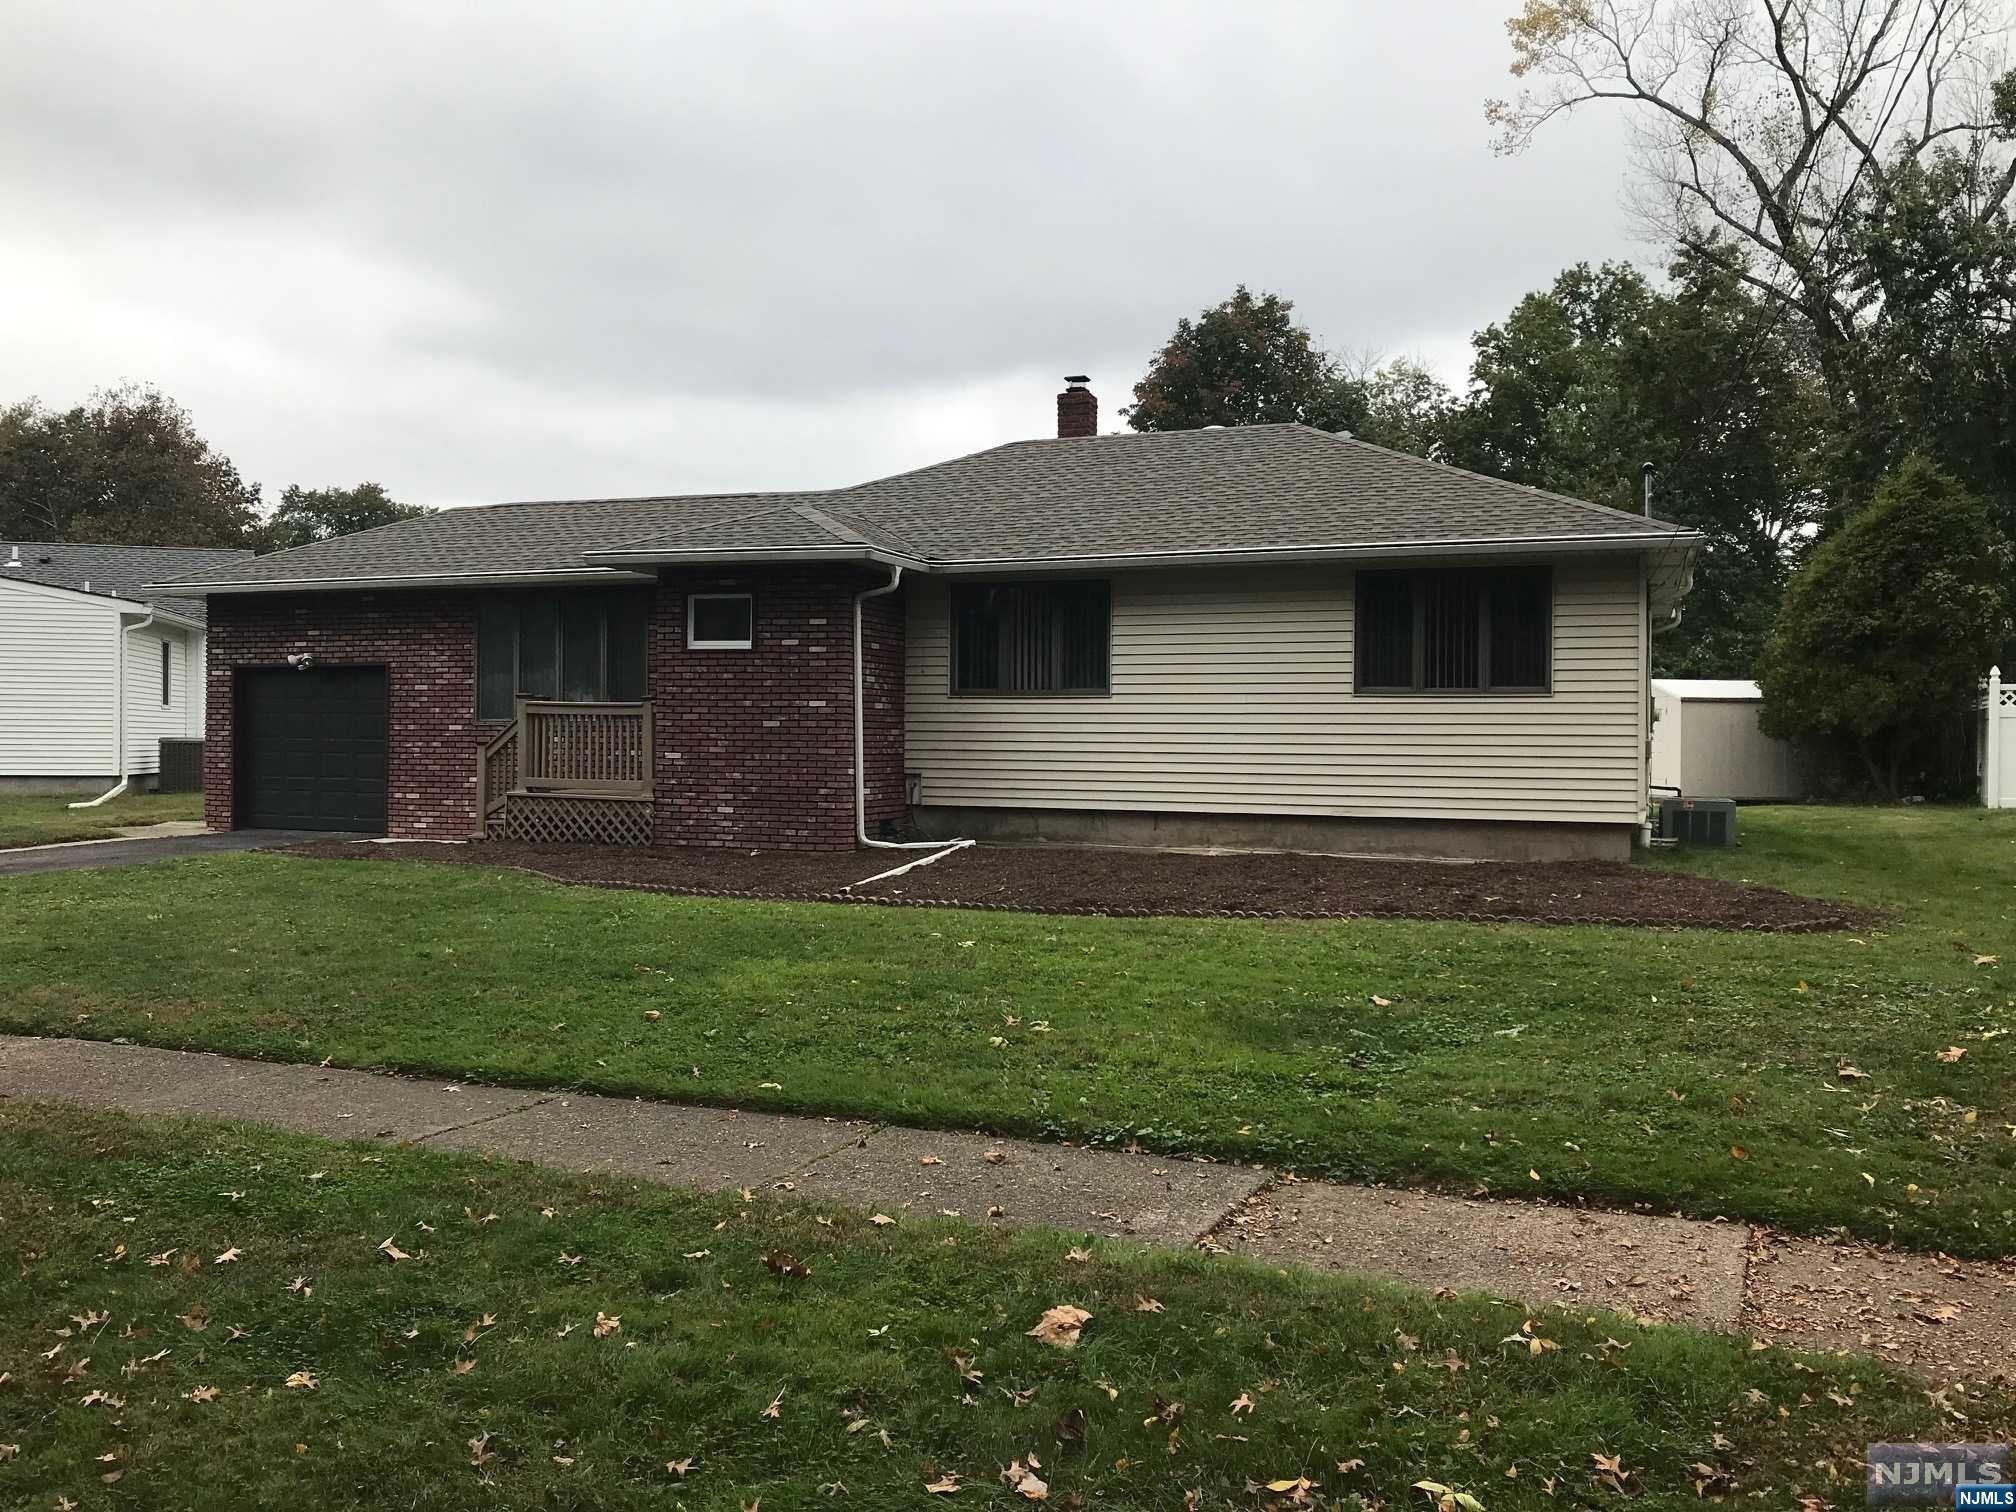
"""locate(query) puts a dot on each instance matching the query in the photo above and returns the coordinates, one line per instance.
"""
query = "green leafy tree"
(1588, 380)
(1884, 637)
(1244, 362)
(1943, 368)
(316, 514)
(1771, 132)
(127, 467)
(1406, 408)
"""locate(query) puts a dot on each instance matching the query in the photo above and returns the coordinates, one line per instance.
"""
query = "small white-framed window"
(720, 621)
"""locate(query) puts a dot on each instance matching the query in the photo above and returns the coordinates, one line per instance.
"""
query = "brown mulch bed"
(1143, 883)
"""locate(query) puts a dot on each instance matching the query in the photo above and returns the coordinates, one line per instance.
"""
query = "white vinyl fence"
(1998, 745)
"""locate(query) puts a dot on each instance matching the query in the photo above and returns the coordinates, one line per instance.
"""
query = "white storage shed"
(1706, 742)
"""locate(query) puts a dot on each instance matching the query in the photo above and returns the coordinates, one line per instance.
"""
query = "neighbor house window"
(166, 664)
(1031, 638)
(1461, 630)
(576, 647)
(720, 621)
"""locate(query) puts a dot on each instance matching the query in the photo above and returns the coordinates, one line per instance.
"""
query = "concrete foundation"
(1467, 839)
(76, 787)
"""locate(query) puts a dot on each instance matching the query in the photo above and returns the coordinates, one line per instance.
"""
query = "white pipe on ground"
(861, 740)
(118, 713)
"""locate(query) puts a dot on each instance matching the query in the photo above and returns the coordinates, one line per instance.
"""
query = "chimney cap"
(1077, 377)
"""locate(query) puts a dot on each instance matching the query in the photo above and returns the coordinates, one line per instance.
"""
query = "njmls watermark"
(1966, 1477)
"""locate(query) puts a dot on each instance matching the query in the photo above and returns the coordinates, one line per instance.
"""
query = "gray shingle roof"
(1250, 488)
(115, 571)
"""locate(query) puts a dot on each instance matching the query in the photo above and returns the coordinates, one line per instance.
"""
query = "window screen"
(1461, 630)
(581, 647)
(1030, 638)
(721, 621)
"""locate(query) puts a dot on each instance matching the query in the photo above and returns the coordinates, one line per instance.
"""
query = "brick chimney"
(1077, 408)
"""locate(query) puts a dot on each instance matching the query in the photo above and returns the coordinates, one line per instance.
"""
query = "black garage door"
(311, 749)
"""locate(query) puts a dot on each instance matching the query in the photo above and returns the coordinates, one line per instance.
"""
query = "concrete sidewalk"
(1946, 1319)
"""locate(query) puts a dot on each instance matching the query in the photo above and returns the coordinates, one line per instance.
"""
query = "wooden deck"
(568, 772)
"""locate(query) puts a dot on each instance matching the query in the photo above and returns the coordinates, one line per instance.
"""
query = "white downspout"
(861, 742)
(118, 711)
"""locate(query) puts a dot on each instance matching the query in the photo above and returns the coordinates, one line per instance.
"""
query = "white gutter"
(861, 744)
(118, 711)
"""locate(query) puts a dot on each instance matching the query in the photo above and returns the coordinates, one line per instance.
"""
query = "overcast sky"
(516, 251)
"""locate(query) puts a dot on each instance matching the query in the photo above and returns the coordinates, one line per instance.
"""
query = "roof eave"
(1341, 551)
(407, 580)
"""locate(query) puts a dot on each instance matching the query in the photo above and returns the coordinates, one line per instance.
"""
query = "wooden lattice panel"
(545, 819)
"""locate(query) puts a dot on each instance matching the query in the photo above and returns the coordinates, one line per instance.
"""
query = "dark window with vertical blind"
(1031, 638)
(578, 647)
(1457, 630)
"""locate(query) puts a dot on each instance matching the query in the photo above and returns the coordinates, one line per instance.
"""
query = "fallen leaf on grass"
(462, 1367)
(1847, 1072)
(1737, 1152)
(679, 1467)
(880, 1220)
(1242, 1403)
(1535, 1345)
(392, 1251)
(776, 1407)
(1060, 1326)
(1082, 1256)
(1380, 1002)
(1024, 1482)
(1148, 1305)
(1447, 1498)
(947, 1485)
(302, 1380)
(1950, 1054)
(200, 1395)
(480, 1452)
(228, 1257)
(929, 1160)
(784, 1264)
(607, 1324)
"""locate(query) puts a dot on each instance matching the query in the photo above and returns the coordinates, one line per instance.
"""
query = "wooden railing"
(583, 750)
(496, 775)
(584, 747)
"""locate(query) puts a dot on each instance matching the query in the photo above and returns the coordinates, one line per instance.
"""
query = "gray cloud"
(499, 251)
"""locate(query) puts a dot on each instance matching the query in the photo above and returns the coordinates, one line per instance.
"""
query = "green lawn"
(198, 1316)
(40, 819)
(1691, 1071)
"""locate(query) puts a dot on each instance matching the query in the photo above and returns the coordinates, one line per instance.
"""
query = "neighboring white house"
(94, 669)
(1707, 743)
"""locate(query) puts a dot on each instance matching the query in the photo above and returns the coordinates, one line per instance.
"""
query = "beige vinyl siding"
(56, 683)
(1232, 693)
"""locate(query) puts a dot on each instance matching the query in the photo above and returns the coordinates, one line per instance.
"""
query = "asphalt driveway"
(89, 853)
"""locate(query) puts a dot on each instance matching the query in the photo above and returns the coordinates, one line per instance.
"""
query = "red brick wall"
(883, 622)
(751, 748)
(425, 640)
(756, 747)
